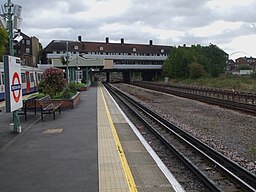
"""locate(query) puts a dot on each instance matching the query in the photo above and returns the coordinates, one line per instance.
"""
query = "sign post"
(13, 88)
(11, 15)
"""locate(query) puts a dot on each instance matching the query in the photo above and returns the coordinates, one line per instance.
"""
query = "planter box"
(66, 103)
(69, 103)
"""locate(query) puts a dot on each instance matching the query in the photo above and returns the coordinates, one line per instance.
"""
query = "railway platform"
(93, 147)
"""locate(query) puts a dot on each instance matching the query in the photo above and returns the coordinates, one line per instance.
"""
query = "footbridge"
(83, 68)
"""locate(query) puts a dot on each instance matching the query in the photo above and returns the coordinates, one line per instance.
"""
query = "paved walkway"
(6, 119)
(53, 155)
(93, 147)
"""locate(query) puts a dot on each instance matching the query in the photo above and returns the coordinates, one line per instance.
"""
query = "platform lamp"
(11, 20)
(67, 71)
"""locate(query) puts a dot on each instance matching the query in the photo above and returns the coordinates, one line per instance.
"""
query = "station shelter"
(80, 68)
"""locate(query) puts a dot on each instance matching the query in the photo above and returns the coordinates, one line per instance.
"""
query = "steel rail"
(231, 95)
(209, 183)
(238, 173)
(211, 100)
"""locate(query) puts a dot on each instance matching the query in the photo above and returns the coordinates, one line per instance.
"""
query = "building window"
(75, 47)
(27, 50)
(133, 49)
(101, 48)
(162, 50)
(28, 41)
(23, 41)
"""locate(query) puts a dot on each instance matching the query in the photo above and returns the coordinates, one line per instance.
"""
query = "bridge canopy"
(78, 61)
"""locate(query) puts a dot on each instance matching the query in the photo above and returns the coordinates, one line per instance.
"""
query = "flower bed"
(66, 103)
(69, 103)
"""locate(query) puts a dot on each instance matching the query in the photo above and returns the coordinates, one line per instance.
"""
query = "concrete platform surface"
(55, 155)
(91, 148)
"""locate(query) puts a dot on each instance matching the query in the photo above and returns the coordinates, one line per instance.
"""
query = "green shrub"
(196, 70)
(53, 82)
(253, 75)
(244, 67)
(72, 86)
(66, 94)
(84, 81)
(41, 87)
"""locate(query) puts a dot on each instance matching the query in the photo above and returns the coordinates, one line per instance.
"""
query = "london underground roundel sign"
(16, 87)
(13, 85)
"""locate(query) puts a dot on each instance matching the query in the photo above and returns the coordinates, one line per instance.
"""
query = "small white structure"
(245, 72)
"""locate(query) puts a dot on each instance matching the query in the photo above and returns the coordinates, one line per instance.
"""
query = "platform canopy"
(78, 61)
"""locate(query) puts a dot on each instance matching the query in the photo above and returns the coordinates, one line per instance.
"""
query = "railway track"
(237, 101)
(197, 166)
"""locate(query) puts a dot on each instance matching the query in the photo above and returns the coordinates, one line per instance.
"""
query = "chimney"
(122, 41)
(107, 40)
(151, 42)
(80, 38)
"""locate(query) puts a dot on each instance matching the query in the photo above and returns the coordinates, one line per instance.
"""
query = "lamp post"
(11, 12)
(67, 72)
(9, 25)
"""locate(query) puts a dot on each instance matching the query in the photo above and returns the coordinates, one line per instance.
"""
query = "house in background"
(232, 65)
(27, 49)
(247, 61)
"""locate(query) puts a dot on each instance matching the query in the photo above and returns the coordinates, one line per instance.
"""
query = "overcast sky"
(230, 24)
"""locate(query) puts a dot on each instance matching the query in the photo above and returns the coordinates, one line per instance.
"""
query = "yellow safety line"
(126, 168)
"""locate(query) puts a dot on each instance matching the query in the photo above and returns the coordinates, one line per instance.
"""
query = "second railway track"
(209, 170)
(215, 97)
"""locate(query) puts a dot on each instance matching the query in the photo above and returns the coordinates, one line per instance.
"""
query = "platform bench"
(49, 107)
(28, 104)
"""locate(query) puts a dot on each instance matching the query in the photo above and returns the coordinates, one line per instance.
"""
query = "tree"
(244, 67)
(3, 39)
(211, 58)
(217, 60)
(196, 70)
(53, 82)
(175, 66)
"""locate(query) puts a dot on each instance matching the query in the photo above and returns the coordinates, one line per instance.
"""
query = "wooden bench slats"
(48, 107)
(28, 104)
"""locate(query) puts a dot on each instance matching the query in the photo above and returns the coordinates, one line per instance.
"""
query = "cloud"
(171, 22)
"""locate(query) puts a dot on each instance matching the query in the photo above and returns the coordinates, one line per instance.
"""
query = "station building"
(122, 57)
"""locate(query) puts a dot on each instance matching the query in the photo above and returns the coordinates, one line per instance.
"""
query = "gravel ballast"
(230, 132)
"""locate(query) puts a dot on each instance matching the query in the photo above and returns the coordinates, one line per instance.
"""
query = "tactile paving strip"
(147, 175)
(111, 174)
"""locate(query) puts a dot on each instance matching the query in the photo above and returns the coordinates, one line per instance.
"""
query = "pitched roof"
(56, 45)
